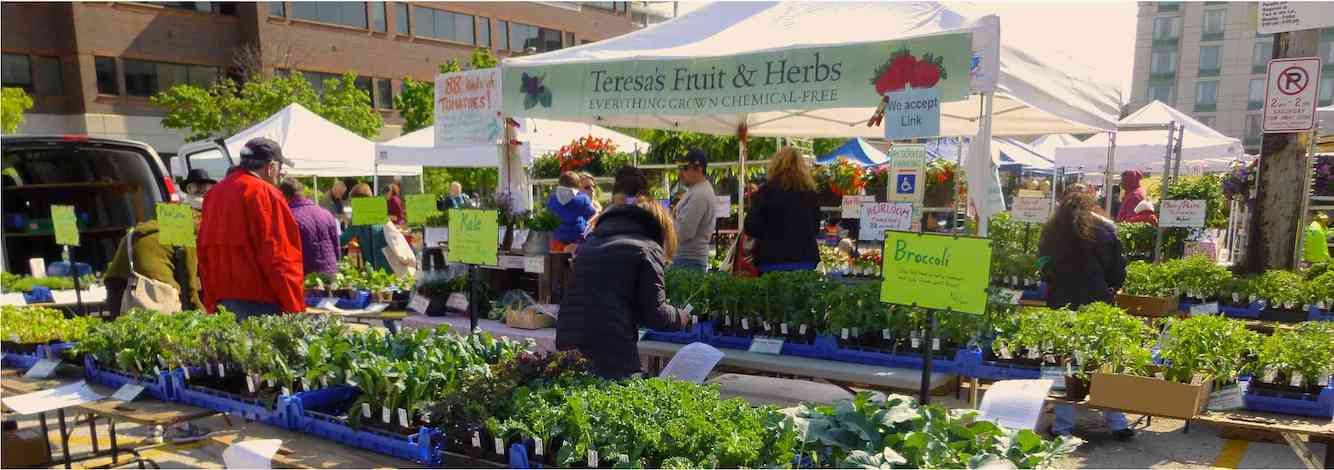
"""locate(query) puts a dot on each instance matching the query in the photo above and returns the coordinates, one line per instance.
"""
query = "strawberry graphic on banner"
(902, 71)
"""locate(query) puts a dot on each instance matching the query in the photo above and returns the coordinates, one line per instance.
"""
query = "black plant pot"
(1284, 316)
(1076, 389)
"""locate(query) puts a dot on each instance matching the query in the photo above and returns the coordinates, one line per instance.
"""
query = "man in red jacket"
(249, 243)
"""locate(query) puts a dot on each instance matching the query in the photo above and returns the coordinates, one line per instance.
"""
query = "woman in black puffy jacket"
(617, 287)
(784, 216)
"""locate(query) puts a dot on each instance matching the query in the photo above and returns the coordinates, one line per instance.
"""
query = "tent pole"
(1107, 174)
(1167, 184)
(742, 139)
(984, 219)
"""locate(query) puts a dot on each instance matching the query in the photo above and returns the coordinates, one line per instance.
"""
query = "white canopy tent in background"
(1046, 145)
(1326, 117)
(1202, 148)
(1004, 151)
(1029, 95)
(539, 137)
(316, 146)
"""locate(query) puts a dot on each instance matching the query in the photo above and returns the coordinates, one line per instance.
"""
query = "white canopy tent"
(1201, 147)
(538, 136)
(1046, 145)
(1004, 151)
(316, 146)
(1014, 92)
(1326, 117)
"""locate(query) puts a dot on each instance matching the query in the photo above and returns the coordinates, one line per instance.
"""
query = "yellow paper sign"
(934, 271)
(473, 236)
(176, 225)
(370, 211)
(420, 207)
(65, 224)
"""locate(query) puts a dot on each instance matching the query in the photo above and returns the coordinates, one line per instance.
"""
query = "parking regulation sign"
(1291, 89)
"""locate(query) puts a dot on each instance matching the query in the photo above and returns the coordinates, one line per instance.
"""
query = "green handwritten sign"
(420, 207)
(473, 236)
(65, 224)
(176, 225)
(934, 271)
(370, 211)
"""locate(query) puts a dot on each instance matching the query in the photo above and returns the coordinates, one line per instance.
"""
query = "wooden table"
(842, 374)
(306, 451)
(389, 318)
(1289, 426)
(144, 411)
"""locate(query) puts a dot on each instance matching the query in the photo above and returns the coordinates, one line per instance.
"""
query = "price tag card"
(1210, 308)
(42, 369)
(418, 303)
(1056, 375)
(420, 207)
(765, 345)
(65, 224)
(534, 264)
(176, 225)
(128, 392)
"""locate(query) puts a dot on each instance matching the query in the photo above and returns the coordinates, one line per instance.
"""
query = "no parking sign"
(1291, 94)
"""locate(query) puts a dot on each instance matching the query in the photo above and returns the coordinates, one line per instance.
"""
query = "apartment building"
(92, 66)
(1206, 59)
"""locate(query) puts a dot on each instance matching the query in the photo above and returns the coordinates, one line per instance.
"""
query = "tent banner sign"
(940, 272)
(467, 108)
(843, 76)
(472, 237)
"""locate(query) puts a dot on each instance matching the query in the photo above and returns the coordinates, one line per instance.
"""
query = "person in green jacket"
(1316, 246)
(154, 261)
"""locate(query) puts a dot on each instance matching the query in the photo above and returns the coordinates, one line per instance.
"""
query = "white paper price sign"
(512, 262)
(534, 264)
(852, 206)
(418, 303)
(1031, 210)
(1183, 213)
(765, 345)
(42, 369)
(722, 207)
(1228, 398)
(128, 392)
(878, 217)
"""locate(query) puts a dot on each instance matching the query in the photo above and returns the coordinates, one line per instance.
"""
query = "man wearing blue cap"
(694, 215)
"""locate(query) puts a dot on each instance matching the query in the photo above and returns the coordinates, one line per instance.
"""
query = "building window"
(504, 30)
(1327, 48)
(1168, 6)
(377, 16)
(364, 84)
(569, 40)
(609, 6)
(1163, 65)
(1264, 51)
(1253, 130)
(225, 8)
(401, 18)
(317, 79)
(524, 36)
(384, 89)
(1208, 121)
(441, 24)
(106, 75)
(48, 80)
(1255, 94)
(1326, 91)
(1166, 29)
(1206, 96)
(1161, 92)
(277, 9)
(17, 71)
(144, 78)
(1214, 21)
(484, 32)
(1209, 60)
(342, 13)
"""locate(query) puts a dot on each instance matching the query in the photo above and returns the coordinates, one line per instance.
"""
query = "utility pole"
(1278, 204)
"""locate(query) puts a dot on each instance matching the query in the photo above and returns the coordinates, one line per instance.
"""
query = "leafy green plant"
(1105, 336)
(1199, 277)
(1302, 357)
(1149, 279)
(1320, 290)
(1281, 289)
(1207, 345)
(38, 325)
(544, 221)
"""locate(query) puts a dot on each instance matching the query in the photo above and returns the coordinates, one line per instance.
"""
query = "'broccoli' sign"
(940, 272)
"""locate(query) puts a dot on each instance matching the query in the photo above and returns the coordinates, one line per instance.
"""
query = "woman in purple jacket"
(319, 229)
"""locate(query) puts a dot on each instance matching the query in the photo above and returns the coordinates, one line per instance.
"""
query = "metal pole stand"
(924, 394)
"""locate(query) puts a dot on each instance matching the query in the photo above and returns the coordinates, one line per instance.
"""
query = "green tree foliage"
(415, 104)
(483, 59)
(15, 102)
(226, 107)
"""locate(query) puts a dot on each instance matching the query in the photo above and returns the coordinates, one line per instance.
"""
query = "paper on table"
(63, 396)
(1015, 403)
(328, 303)
(251, 454)
(13, 298)
(376, 307)
(692, 363)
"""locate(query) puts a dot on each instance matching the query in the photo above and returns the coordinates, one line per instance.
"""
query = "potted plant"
(1281, 293)
(1207, 345)
(1104, 337)
(1292, 372)
(540, 227)
(438, 290)
(1320, 292)
(1200, 279)
(940, 181)
(1150, 290)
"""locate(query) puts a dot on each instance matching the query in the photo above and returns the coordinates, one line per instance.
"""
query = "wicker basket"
(530, 318)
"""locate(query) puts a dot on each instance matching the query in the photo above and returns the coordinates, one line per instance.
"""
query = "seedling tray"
(971, 364)
(217, 400)
(1251, 311)
(313, 411)
(692, 335)
(159, 387)
(359, 300)
(1317, 314)
(909, 360)
(1305, 404)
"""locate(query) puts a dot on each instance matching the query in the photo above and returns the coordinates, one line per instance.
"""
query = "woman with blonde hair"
(784, 216)
(617, 287)
(589, 185)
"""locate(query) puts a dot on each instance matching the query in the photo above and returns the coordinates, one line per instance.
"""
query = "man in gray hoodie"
(694, 215)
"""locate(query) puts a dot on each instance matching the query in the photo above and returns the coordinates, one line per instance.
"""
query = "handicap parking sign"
(906, 184)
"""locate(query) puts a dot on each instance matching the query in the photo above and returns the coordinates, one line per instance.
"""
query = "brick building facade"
(91, 67)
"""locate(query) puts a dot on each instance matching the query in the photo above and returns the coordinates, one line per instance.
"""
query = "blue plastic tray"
(905, 360)
(694, 334)
(39, 295)
(1036, 294)
(970, 364)
(159, 387)
(359, 301)
(215, 400)
(421, 447)
(1306, 404)
(822, 349)
(1320, 315)
(23, 360)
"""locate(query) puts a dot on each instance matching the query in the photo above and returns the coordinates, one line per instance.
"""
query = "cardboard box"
(1148, 306)
(1148, 395)
(26, 448)
(530, 318)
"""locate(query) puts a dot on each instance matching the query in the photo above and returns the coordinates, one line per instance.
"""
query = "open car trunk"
(112, 184)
